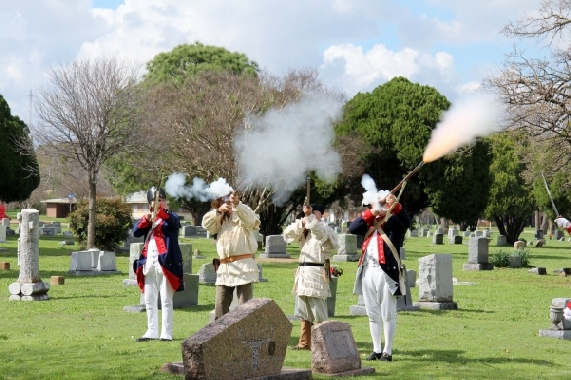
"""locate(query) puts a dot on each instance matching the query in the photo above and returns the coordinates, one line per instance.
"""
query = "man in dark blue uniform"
(159, 269)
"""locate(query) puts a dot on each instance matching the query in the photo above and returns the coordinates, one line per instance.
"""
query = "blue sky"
(357, 45)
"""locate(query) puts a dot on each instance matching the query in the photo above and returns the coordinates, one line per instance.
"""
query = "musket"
(550, 197)
(307, 189)
(407, 177)
(155, 208)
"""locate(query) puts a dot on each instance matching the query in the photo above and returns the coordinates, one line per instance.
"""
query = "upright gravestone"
(261, 276)
(275, 247)
(186, 251)
(478, 254)
(435, 282)
(560, 326)
(2, 234)
(347, 250)
(135, 250)
(248, 342)
(502, 241)
(333, 350)
(93, 262)
(189, 296)
(438, 238)
(207, 274)
(412, 233)
(188, 231)
(29, 286)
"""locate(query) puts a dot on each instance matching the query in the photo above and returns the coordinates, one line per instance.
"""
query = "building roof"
(137, 197)
(60, 200)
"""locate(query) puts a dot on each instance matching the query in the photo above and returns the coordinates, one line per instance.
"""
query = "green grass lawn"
(83, 333)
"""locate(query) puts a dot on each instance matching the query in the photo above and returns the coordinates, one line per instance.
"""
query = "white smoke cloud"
(461, 124)
(372, 196)
(283, 145)
(176, 187)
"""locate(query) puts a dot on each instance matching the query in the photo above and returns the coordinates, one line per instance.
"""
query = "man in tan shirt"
(316, 241)
(235, 225)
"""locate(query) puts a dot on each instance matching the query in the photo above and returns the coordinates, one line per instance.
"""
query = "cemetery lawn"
(83, 333)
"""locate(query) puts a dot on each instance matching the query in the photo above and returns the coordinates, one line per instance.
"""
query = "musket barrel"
(307, 189)
(407, 177)
(156, 197)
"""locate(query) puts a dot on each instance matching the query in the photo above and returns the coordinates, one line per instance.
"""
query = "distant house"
(59, 207)
(138, 203)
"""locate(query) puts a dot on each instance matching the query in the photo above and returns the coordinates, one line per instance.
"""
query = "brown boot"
(304, 336)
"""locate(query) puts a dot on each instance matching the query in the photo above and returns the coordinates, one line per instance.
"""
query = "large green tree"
(511, 198)
(199, 97)
(188, 60)
(19, 167)
(458, 184)
(395, 120)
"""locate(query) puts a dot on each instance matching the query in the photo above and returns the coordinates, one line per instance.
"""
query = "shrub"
(112, 223)
(524, 254)
(501, 258)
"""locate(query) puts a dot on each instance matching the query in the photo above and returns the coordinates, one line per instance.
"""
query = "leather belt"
(310, 264)
(231, 259)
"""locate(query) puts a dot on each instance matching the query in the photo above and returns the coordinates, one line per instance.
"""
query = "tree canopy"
(535, 88)
(19, 167)
(395, 120)
(188, 60)
(87, 115)
(458, 184)
(511, 198)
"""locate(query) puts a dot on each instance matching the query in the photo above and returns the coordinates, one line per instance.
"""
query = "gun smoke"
(372, 196)
(276, 150)
(176, 187)
(461, 124)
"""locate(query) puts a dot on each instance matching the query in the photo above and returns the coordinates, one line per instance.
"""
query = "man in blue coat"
(378, 274)
(159, 269)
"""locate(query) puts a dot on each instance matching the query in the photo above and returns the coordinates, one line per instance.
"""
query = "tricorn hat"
(318, 207)
(151, 194)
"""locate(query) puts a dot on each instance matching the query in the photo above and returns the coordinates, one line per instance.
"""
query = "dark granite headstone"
(248, 342)
(334, 350)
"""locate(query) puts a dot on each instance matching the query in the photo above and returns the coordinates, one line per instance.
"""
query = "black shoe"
(143, 339)
(386, 357)
(165, 340)
(298, 347)
(374, 356)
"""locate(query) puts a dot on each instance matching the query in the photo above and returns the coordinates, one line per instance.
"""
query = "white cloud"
(359, 44)
(379, 64)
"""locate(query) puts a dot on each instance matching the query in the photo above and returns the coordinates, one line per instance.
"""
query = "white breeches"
(380, 303)
(156, 283)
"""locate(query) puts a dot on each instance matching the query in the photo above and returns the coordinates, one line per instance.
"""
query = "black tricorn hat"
(318, 207)
(151, 194)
